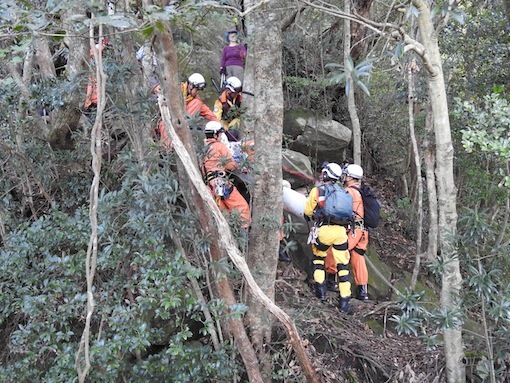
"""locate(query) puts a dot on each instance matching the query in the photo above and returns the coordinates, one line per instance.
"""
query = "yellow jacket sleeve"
(311, 202)
(218, 109)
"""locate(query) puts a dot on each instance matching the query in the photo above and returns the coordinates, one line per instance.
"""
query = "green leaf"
(147, 32)
(363, 88)
(458, 15)
(349, 64)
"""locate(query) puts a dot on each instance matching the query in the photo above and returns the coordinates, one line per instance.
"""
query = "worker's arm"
(207, 113)
(196, 105)
(311, 202)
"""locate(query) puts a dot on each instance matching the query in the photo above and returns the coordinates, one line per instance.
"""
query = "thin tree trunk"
(451, 277)
(351, 103)
(68, 118)
(419, 182)
(358, 31)
(430, 162)
(44, 57)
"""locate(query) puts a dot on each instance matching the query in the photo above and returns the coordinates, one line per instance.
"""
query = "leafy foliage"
(148, 326)
(352, 75)
(486, 128)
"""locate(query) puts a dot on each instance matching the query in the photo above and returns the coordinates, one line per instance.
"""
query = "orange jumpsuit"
(358, 239)
(194, 105)
(164, 138)
(218, 159)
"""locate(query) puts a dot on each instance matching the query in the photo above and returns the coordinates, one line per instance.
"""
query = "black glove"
(223, 70)
(307, 218)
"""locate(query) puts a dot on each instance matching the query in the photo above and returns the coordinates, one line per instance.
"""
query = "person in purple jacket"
(233, 57)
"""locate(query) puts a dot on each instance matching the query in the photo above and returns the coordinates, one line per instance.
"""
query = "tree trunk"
(44, 57)
(430, 161)
(451, 277)
(351, 103)
(358, 31)
(68, 118)
(136, 127)
(266, 52)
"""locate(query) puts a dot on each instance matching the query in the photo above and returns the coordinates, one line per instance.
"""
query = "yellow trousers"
(334, 237)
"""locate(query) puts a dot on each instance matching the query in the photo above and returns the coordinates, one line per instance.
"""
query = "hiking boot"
(362, 293)
(320, 291)
(331, 282)
(344, 306)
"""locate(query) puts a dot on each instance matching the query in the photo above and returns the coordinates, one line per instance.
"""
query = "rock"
(316, 136)
(297, 168)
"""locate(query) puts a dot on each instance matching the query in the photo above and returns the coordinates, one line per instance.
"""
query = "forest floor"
(363, 347)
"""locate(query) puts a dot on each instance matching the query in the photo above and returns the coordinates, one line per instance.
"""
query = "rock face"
(316, 136)
(297, 168)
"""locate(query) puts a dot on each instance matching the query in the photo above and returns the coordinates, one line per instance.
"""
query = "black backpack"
(371, 206)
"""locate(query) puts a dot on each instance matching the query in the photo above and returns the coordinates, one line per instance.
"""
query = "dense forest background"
(114, 267)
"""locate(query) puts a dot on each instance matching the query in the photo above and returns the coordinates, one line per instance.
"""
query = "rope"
(298, 174)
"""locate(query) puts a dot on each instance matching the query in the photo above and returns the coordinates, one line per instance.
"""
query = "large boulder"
(297, 168)
(316, 136)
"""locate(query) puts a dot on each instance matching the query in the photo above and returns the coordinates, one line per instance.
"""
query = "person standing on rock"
(233, 57)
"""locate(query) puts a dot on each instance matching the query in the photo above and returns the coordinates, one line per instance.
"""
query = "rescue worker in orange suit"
(324, 235)
(217, 161)
(358, 236)
(227, 106)
(194, 106)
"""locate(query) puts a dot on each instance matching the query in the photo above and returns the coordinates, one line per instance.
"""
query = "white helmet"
(234, 84)
(331, 171)
(197, 80)
(354, 171)
(213, 127)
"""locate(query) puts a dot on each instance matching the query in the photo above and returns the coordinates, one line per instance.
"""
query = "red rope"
(298, 174)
